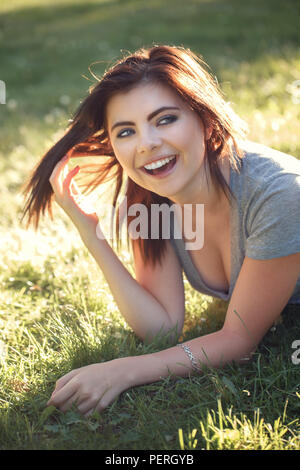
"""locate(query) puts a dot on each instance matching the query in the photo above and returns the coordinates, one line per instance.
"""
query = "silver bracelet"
(190, 356)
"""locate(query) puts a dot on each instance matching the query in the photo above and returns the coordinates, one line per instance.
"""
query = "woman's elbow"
(168, 333)
(240, 349)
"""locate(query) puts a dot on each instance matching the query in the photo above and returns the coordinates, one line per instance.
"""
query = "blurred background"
(47, 47)
(51, 51)
(46, 50)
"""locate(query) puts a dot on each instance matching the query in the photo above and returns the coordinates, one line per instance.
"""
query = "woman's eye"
(167, 120)
(163, 121)
(124, 133)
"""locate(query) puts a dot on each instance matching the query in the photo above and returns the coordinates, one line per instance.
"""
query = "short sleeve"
(273, 222)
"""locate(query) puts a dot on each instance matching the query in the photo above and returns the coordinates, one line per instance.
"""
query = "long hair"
(188, 76)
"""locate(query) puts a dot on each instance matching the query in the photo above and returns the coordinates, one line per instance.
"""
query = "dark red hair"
(186, 74)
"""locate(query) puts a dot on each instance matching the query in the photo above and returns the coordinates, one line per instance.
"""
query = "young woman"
(164, 126)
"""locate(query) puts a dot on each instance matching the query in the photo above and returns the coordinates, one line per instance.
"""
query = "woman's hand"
(66, 192)
(92, 388)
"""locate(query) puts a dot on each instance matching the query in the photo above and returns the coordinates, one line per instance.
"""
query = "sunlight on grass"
(227, 431)
(13, 5)
(56, 311)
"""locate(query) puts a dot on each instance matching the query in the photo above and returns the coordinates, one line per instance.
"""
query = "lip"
(161, 157)
(166, 173)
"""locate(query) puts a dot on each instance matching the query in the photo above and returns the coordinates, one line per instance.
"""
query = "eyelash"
(170, 119)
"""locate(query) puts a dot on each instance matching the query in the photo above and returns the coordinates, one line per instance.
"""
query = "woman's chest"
(213, 260)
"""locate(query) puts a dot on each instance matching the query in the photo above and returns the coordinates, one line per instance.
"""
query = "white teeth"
(159, 163)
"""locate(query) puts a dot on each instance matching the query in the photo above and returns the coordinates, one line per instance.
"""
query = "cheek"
(186, 135)
(196, 137)
(193, 145)
(186, 141)
(123, 154)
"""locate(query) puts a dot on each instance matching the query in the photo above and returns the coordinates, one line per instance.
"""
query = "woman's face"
(157, 139)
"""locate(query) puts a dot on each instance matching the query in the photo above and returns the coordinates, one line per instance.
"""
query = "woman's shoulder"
(261, 161)
(266, 175)
(269, 201)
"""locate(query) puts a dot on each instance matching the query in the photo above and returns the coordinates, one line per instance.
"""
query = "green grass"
(56, 311)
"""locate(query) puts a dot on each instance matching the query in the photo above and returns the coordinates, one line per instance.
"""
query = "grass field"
(56, 312)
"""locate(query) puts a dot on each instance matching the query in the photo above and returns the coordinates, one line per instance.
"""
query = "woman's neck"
(202, 190)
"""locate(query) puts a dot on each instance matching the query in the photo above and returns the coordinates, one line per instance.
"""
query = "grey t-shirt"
(265, 217)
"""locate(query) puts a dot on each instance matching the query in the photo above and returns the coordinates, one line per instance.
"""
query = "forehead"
(141, 100)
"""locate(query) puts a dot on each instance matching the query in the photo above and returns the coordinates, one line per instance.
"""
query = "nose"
(149, 140)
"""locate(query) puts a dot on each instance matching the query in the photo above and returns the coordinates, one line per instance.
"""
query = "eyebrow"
(150, 116)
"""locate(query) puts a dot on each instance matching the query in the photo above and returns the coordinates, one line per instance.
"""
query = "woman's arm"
(152, 304)
(94, 387)
(262, 290)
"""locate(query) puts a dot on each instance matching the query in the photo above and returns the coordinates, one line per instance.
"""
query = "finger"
(107, 399)
(66, 184)
(58, 167)
(70, 175)
(75, 188)
(64, 168)
(63, 394)
(90, 412)
(64, 380)
(68, 404)
(64, 172)
(87, 407)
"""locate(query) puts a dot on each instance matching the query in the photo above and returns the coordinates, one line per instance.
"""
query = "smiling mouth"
(161, 167)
